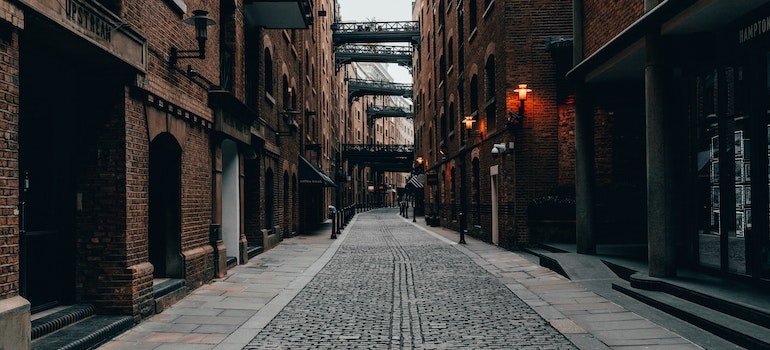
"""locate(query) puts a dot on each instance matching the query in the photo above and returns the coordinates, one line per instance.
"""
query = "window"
(490, 92)
(450, 56)
(442, 69)
(472, 14)
(474, 95)
(268, 72)
(286, 90)
(443, 127)
(452, 118)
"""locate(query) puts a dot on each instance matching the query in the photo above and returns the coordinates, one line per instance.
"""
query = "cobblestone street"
(389, 283)
(394, 286)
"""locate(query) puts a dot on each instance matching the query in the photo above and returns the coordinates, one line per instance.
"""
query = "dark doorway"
(165, 242)
(65, 94)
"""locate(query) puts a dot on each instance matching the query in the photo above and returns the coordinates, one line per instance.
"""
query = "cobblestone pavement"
(393, 286)
(389, 283)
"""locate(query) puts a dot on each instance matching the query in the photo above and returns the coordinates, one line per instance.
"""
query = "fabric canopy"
(416, 181)
(310, 175)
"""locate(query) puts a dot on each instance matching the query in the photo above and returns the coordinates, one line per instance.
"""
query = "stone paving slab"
(388, 283)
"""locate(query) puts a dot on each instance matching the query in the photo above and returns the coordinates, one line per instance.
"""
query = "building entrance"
(67, 91)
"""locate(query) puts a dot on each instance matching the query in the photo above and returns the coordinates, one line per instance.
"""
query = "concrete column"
(584, 172)
(584, 146)
(661, 211)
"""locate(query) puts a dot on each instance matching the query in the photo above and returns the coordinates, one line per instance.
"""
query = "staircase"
(729, 309)
(76, 327)
(735, 312)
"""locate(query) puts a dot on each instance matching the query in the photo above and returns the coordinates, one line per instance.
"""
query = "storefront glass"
(725, 193)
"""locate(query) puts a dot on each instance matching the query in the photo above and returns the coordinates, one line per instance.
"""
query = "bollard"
(334, 231)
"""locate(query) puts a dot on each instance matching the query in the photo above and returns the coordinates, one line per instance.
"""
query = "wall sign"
(97, 25)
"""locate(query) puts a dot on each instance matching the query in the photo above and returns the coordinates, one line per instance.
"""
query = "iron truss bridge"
(401, 55)
(360, 87)
(375, 32)
(373, 113)
(396, 158)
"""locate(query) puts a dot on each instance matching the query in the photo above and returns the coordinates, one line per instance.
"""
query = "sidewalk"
(229, 312)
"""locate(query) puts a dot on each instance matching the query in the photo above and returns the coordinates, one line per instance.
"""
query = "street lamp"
(200, 20)
(515, 119)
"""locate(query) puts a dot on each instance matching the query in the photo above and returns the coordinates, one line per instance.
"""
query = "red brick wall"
(9, 173)
(514, 33)
(606, 19)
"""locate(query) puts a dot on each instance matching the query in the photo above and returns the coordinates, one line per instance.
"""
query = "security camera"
(497, 149)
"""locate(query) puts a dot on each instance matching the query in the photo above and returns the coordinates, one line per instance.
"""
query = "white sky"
(384, 11)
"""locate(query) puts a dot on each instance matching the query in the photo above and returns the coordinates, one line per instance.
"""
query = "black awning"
(416, 181)
(310, 175)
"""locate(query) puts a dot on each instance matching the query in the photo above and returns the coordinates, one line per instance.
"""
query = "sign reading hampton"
(754, 30)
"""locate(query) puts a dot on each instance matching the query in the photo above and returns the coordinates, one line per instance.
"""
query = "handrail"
(351, 27)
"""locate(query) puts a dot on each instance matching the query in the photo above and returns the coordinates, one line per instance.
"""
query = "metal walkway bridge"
(375, 32)
(347, 53)
(360, 87)
(396, 158)
(373, 113)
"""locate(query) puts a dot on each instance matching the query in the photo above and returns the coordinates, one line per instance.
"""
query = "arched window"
(443, 127)
(472, 14)
(269, 200)
(442, 69)
(491, 106)
(474, 95)
(268, 72)
(452, 118)
(453, 192)
(441, 13)
(286, 93)
(476, 192)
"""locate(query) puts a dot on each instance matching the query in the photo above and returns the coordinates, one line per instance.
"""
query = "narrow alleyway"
(389, 283)
(393, 286)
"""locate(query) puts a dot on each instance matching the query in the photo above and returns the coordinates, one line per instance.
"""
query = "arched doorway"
(286, 231)
(165, 219)
(231, 202)
(269, 200)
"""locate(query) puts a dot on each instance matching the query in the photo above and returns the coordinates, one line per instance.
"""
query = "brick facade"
(103, 119)
(9, 173)
(486, 56)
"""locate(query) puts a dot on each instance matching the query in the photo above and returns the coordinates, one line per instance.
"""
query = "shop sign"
(754, 29)
(97, 25)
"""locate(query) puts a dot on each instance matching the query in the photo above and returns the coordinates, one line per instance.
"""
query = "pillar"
(661, 189)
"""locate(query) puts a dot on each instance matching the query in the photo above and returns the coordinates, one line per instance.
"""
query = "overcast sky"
(380, 10)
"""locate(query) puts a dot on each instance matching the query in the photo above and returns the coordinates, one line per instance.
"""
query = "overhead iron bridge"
(397, 158)
(373, 113)
(375, 32)
(401, 55)
(360, 87)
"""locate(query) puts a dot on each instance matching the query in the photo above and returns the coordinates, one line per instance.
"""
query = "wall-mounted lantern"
(468, 121)
(201, 21)
(515, 119)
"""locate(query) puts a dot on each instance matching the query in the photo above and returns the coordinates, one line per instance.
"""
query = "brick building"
(140, 162)
(473, 55)
(684, 86)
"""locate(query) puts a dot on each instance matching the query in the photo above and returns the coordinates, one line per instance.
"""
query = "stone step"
(85, 334)
(734, 329)
(60, 319)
